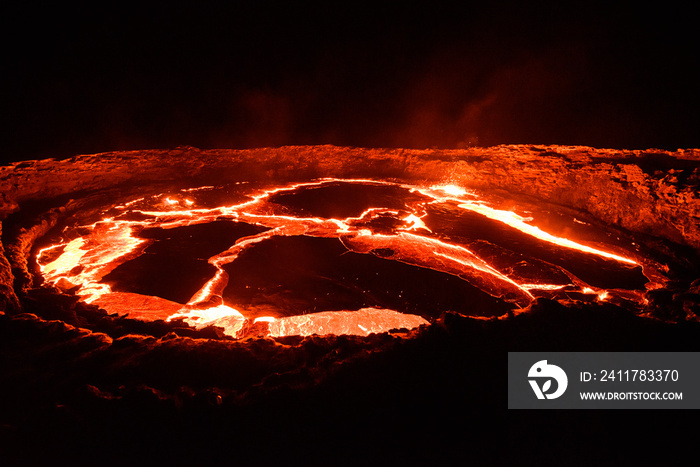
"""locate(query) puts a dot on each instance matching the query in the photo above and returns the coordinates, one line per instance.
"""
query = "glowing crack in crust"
(394, 233)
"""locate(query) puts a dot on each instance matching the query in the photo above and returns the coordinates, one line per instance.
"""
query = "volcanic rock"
(73, 375)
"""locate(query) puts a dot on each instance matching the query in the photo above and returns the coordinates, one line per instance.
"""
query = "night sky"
(113, 76)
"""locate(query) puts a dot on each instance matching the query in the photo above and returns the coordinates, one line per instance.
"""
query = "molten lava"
(333, 256)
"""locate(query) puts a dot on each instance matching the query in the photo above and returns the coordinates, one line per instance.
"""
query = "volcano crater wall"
(650, 192)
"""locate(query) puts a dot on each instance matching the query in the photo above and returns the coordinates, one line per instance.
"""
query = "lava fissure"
(390, 221)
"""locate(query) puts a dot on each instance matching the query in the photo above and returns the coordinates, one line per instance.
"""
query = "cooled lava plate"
(337, 256)
(334, 306)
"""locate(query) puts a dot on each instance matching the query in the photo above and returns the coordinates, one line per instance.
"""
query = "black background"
(116, 76)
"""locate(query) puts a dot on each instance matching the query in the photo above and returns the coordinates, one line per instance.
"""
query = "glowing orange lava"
(519, 223)
(402, 235)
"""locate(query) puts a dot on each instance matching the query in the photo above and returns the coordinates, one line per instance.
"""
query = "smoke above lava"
(420, 76)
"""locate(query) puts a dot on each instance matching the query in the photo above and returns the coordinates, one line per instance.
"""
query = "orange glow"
(430, 253)
(520, 223)
(84, 261)
(264, 319)
(517, 222)
(452, 190)
(72, 252)
(542, 286)
(362, 322)
(224, 316)
(107, 246)
(415, 223)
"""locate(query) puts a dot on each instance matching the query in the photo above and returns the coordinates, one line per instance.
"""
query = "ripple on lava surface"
(286, 276)
(175, 265)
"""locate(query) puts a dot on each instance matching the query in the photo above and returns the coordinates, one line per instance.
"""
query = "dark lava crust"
(78, 385)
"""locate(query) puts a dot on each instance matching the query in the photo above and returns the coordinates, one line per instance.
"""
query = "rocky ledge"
(79, 384)
(649, 192)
